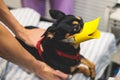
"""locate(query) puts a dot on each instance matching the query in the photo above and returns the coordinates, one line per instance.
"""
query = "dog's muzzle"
(88, 32)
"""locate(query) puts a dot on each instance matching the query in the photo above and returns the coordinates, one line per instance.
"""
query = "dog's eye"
(77, 28)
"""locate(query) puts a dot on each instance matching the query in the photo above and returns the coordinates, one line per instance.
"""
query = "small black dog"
(55, 49)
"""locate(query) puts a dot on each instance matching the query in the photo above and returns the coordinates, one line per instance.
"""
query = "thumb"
(62, 75)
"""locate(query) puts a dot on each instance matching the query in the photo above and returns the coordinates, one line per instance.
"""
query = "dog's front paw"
(92, 73)
(86, 72)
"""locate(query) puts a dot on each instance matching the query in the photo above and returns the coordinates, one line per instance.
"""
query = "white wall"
(91, 9)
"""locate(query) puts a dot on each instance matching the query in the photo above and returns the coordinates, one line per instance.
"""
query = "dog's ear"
(56, 14)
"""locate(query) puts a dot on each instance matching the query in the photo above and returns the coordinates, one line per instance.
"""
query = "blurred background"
(87, 9)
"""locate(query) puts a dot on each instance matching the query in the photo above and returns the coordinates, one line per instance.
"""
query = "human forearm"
(11, 50)
(30, 37)
(9, 20)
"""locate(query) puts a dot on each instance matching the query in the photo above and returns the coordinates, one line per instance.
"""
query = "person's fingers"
(35, 35)
(62, 75)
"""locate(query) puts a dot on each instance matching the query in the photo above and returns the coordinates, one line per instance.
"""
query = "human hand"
(47, 73)
(31, 36)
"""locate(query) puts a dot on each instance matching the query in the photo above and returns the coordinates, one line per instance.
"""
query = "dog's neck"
(67, 48)
(62, 46)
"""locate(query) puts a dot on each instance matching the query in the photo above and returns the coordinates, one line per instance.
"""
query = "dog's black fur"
(59, 29)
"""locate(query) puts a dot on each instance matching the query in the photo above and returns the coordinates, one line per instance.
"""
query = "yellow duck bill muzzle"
(88, 32)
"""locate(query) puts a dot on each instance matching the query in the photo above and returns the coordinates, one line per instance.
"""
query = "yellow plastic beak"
(89, 31)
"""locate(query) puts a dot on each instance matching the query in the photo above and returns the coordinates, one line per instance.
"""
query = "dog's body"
(56, 51)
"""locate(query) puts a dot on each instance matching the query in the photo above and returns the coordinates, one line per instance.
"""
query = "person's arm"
(11, 50)
(8, 19)
(30, 37)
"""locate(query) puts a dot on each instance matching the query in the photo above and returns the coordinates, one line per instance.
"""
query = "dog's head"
(64, 27)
